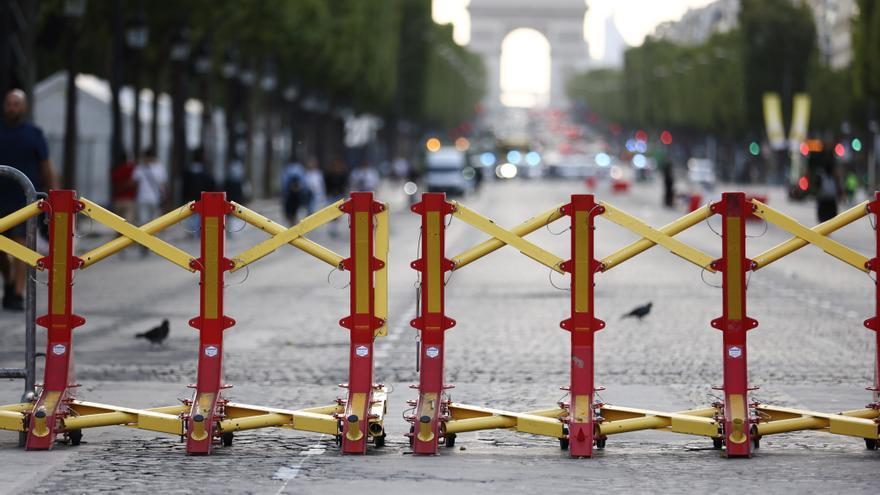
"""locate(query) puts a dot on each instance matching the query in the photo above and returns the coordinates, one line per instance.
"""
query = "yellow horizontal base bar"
(543, 422)
(11, 420)
(855, 423)
(247, 417)
(620, 419)
(93, 415)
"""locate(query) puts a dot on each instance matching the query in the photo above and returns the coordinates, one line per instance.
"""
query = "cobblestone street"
(507, 352)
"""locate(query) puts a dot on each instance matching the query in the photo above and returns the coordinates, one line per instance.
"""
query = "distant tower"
(614, 44)
(560, 21)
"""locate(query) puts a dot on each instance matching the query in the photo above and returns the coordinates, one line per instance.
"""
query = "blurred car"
(447, 170)
(573, 167)
(701, 172)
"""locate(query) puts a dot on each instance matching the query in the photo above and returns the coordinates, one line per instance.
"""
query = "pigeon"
(639, 312)
(156, 335)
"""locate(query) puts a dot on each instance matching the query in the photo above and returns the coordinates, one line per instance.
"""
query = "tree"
(779, 37)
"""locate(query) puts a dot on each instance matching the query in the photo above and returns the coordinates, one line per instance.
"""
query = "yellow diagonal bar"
(507, 237)
(19, 251)
(673, 228)
(381, 282)
(266, 225)
(308, 224)
(828, 245)
(847, 217)
(154, 244)
(20, 216)
(152, 227)
(639, 227)
(521, 230)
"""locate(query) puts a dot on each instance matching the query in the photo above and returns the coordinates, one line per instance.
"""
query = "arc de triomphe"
(560, 21)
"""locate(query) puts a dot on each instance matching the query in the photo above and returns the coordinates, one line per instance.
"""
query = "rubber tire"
(75, 437)
(563, 442)
(226, 438)
(379, 441)
(412, 438)
(756, 442)
(600, 443)
(870, 444)
(717, 443)
(450, 440)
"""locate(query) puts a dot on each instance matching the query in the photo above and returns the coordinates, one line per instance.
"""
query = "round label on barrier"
(734, 351)
(59, 349)
(432, 352)
(211, 351)
(361, 350)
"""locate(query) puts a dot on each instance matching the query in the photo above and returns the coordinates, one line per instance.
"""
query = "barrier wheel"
(870, 444)
(756, 442)
(75, 436)
(226, 438)
(717, 443)
(563, 442)
(450, 440)
(379, 441)
(600, 443)
(412, 437)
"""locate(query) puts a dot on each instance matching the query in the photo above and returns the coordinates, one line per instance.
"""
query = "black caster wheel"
(563, 442)
(412, 437)
(756, 442)
(450, 440)
(717, 443)
(600, 443)
(870, 444)
(226, 438)
(75, 437)
(379, 441)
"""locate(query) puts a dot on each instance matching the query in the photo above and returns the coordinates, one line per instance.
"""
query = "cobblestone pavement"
(507, 351)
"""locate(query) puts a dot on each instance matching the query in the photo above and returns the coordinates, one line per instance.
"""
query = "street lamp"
(229, 71)
(268, 83)
(137, 35)
(74, 10)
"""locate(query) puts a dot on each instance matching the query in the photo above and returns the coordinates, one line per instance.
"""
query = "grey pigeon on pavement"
(639, 312)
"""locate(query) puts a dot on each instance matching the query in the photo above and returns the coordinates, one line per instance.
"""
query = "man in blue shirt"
(22, 146)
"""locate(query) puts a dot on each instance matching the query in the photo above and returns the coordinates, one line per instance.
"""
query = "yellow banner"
(800, 120)
(773, 120)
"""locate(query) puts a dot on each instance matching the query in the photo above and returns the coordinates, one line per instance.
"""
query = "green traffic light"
(754, 149)
(856, 144)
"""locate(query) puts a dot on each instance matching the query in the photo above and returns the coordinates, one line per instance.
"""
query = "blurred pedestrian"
(364, 177)
(313, 180)
(336, 185)
(195, 181)
(851, 185)
(23, 147)
(293, 189)
(151, 179)
(668, 184)
(827, 184)
(234, 182)
(124, 188)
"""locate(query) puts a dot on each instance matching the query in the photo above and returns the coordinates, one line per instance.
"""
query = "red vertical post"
(582, 324)
(362, 321)
(432, 323)
(734, 324)
(873, 323)
(61, 207)
(203, 415)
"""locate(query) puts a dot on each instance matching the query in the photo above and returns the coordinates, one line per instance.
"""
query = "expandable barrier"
(580, 423)
(208, 417)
